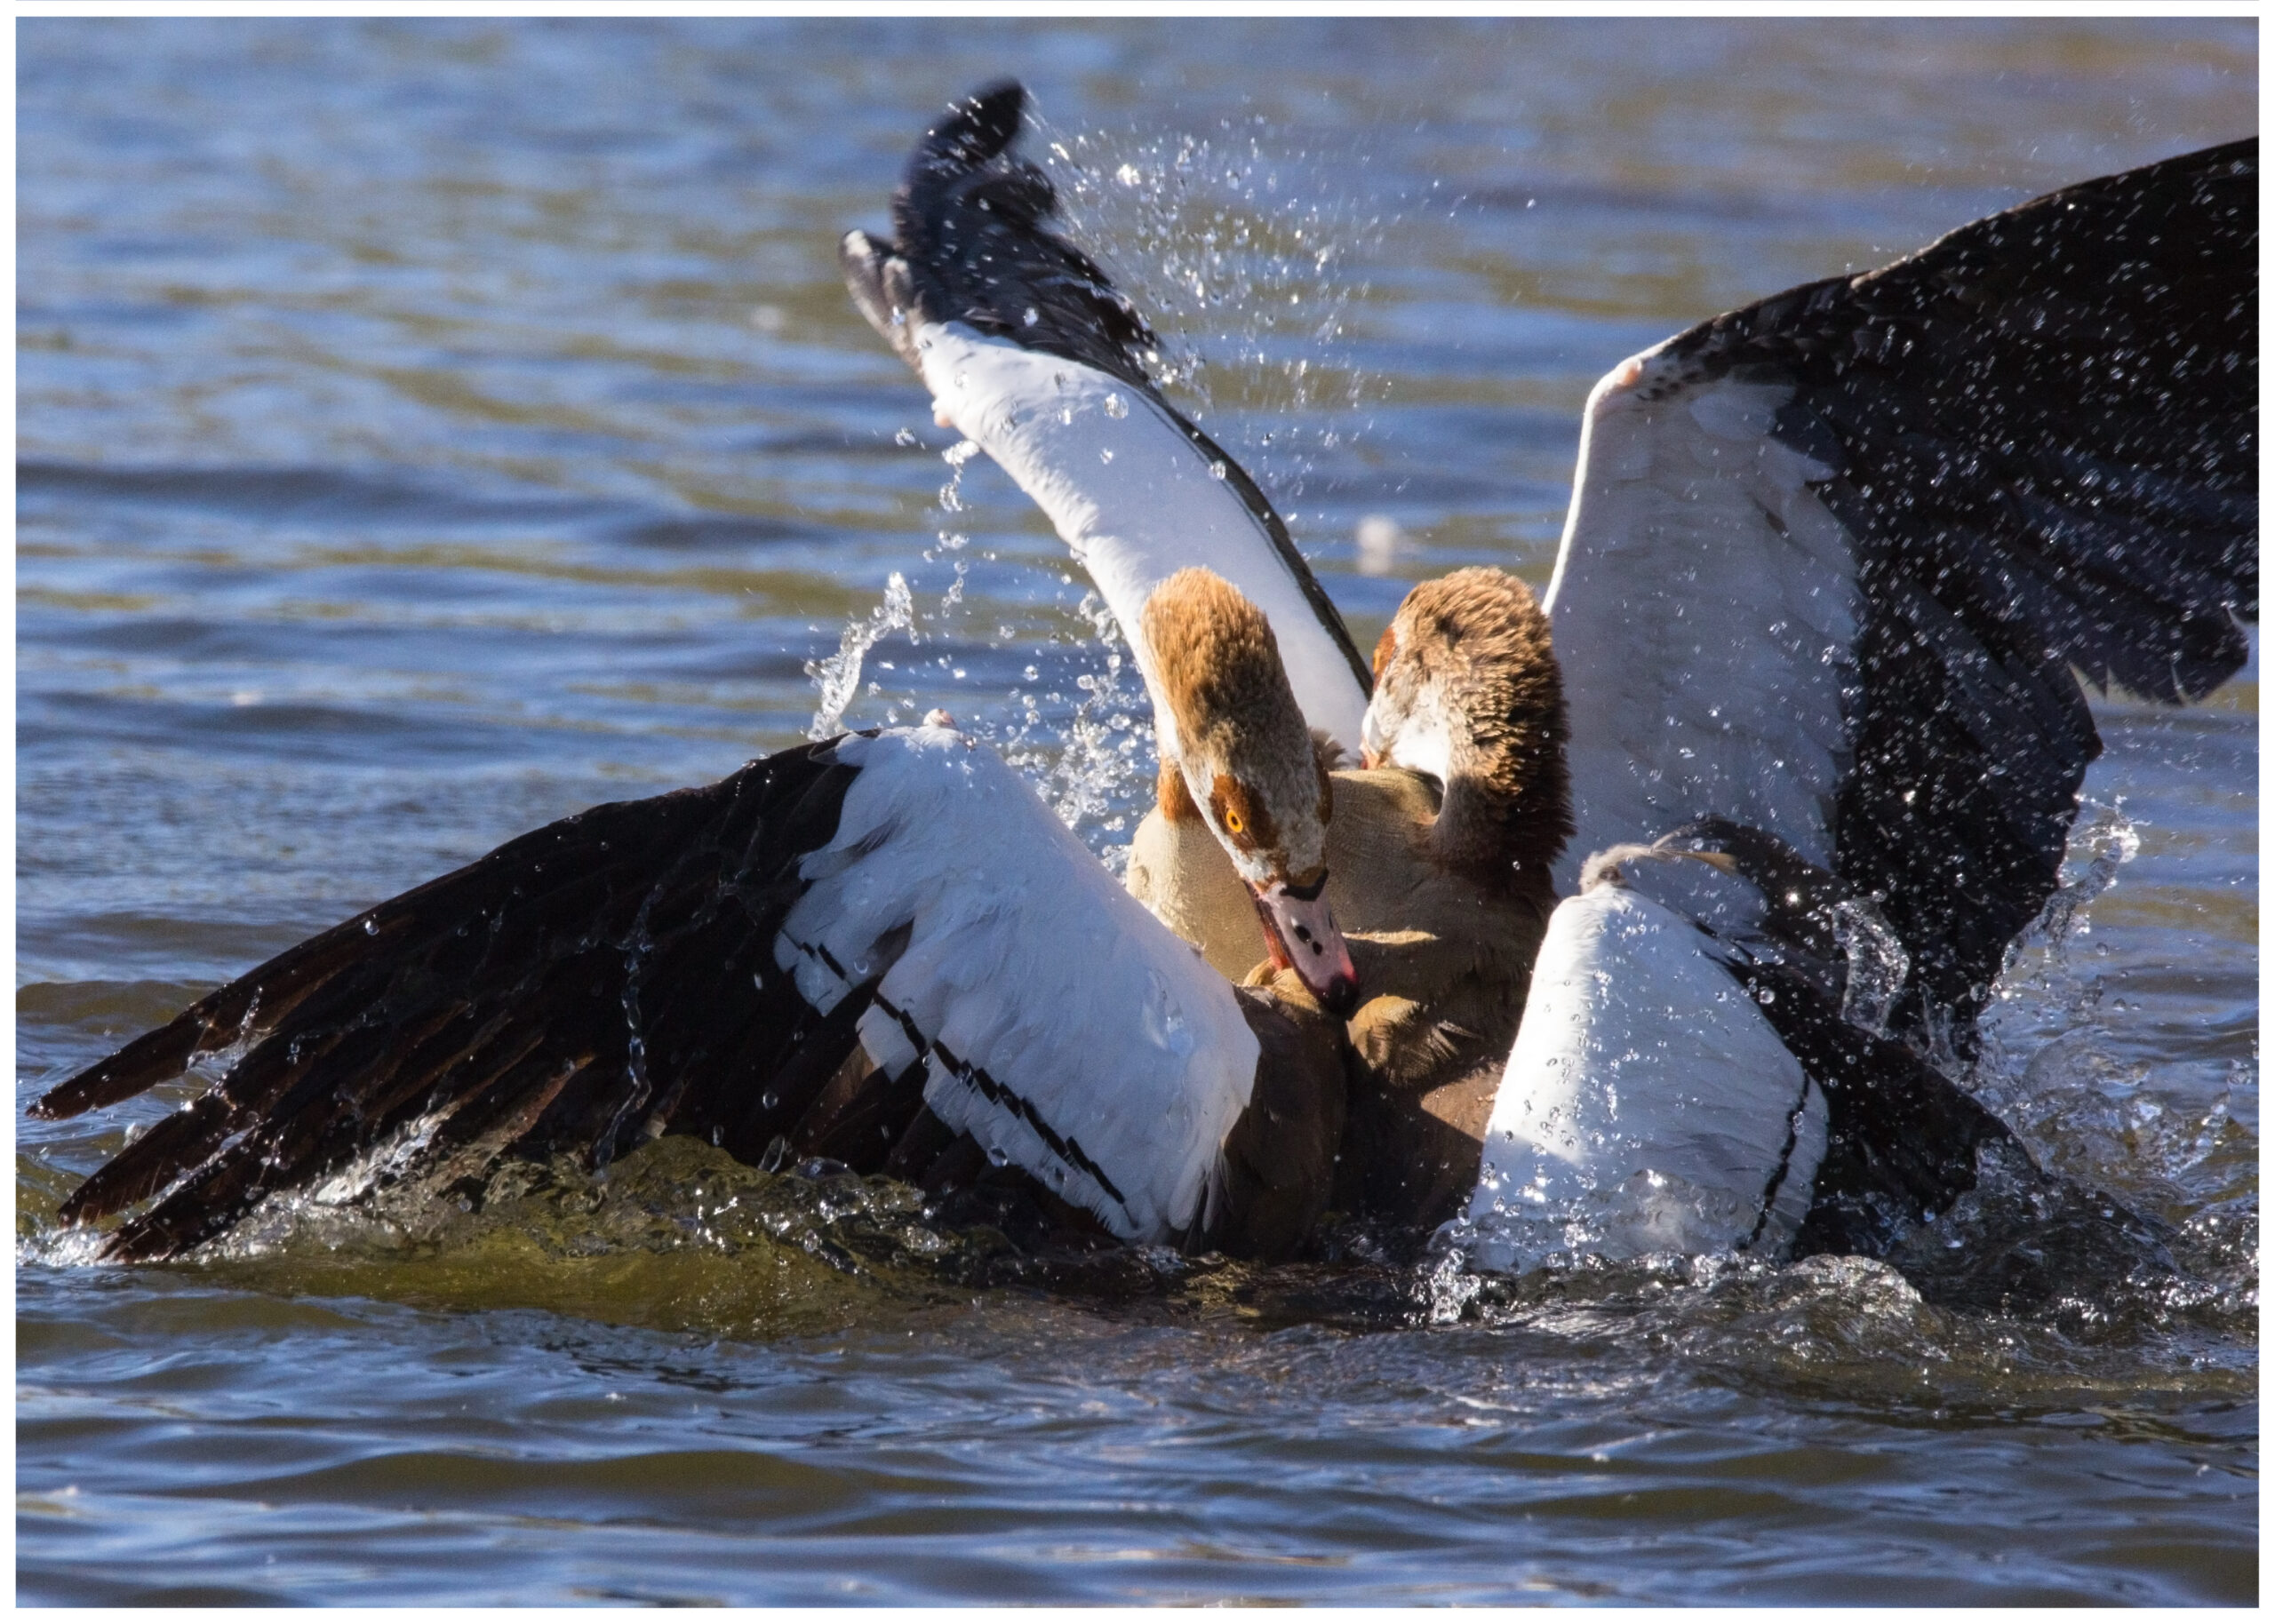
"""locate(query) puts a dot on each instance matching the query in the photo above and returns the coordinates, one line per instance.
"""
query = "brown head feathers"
(1246, 753)
(1467, 690)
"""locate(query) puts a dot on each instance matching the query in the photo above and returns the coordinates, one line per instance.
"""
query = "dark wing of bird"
(1832, 558)
(559, 992)
(975, 245)
(866, 947)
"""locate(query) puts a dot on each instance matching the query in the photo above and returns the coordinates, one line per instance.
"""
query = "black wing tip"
(973, 221)
(155, 1057)
(877, 279)
(958, 151)
(977, 128)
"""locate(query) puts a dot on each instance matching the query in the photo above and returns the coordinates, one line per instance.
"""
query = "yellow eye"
(1232, 824)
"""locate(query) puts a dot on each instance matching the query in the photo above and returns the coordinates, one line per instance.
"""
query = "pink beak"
(1300, 932)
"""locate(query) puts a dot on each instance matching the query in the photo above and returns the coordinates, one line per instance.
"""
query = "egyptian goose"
(709, 962)
(1830, 565)
(883, 950)
(1438, 872)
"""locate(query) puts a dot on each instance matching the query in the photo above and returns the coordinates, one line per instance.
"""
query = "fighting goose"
(1830, 565)
(883, 950)
(1440, 879)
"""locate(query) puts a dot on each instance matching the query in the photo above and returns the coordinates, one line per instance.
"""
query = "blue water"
(427, 428)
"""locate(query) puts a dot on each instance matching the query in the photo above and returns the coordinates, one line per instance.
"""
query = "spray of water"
(1095, 768)
(1240, 252)
(2057, 1068)
(839, 677)
(1877, 964)
(1244, 254)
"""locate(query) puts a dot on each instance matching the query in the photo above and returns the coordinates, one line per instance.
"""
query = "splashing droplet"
(839, 677)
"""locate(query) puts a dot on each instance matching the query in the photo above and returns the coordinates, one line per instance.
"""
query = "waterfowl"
(1833, 563)
(1440, 876)
(883, 950)
(887, 935)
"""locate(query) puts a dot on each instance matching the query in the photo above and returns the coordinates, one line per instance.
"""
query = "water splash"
(1094, 769)
(1877, 964)
(2041, 978)
(1243, 253)
(839, 676)
(1444, 1287)
(2056, 1068)
(2107, 843)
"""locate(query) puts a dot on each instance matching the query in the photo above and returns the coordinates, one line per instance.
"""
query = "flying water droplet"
(1165, 1023)
(1878, 965)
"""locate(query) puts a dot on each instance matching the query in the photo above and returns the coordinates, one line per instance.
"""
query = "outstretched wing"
(704, 962)
(1031, 353)
(1831, 559)
(535, 998)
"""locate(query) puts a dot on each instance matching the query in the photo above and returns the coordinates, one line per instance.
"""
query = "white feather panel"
(1705, 611)
(1024, 961)
(1646, 1103)
(1131, 496)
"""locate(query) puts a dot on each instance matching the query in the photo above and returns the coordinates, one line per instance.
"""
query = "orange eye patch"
(1239, 814)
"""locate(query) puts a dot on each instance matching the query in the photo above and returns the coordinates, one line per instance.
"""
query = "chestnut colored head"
(1467, 692)
(1245, 760)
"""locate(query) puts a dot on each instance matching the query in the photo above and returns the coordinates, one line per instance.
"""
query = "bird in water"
(1799, 693)
(1832, 565)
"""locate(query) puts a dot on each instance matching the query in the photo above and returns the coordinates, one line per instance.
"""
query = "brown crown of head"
(1246, 753)
(1470, 653)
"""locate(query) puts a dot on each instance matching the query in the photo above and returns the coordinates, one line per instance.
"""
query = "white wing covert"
(1059, 1023)
(1833, 559)
(1648, 1106)
(1705, 607)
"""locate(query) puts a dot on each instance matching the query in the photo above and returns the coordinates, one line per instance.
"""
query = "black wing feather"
(974, 246)
(530, 1001)
(2044, 429)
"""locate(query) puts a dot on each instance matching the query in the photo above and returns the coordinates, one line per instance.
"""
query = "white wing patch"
(1062, 1026)
(1131, 496)
(1705, 611)
(1647, 1105)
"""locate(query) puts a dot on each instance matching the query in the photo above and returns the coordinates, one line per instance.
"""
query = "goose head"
(1236, 753)
(1467, 693)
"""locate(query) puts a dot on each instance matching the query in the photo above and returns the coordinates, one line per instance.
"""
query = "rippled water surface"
(427, 429)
